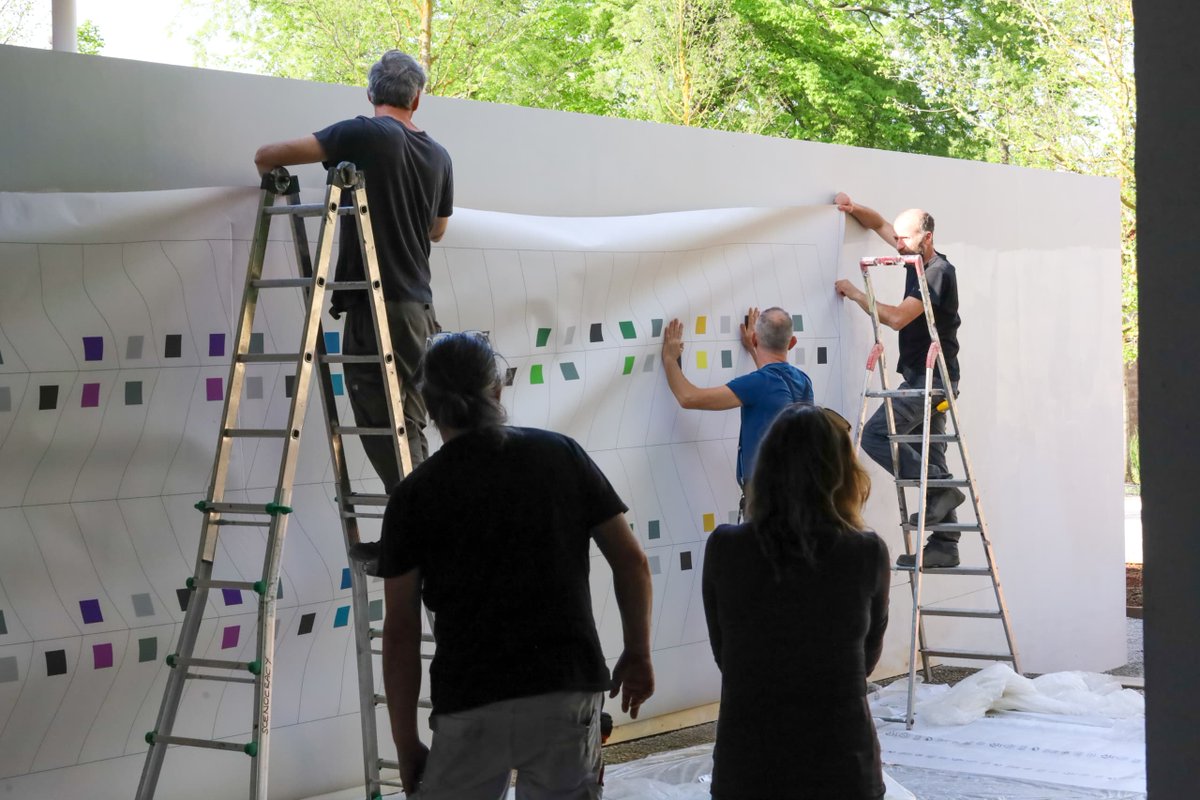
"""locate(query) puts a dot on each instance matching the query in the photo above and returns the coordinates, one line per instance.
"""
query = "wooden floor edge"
(641, 728)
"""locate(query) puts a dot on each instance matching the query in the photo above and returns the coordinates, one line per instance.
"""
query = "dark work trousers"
(909, 413)
(411, 326)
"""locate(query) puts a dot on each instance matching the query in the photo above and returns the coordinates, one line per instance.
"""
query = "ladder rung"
(211, 744)
(255, 433)
(303, 210)
(342, 358)
(916, 438)
(281, 283)
(945, 527)
(981, 571)
(969, 654)
(933, 483)
(379, 699)
(345, 286)
(248, 523)
(351, 430)
(906, 393)
(933, 611)
(210, 663)
(249, 586)
(388, 764)
(366, 499)
(235, 508)
(268, 358)
(357, 515)
(202, 676)
(424, 704)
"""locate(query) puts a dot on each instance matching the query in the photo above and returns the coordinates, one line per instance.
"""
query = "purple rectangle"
(233, 597)
(93, 348)
(91, 395)
(214, 388)
(229, 637)
(216, 344)
(90, 609)
(102, 655)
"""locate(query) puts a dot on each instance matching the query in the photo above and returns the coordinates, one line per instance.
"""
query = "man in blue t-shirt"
(410, 187)
(761, 394)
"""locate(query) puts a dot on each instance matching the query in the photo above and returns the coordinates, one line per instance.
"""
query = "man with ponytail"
(493, 533)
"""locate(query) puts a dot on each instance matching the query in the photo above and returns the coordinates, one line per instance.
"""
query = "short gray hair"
(394, 80)
(774, 329)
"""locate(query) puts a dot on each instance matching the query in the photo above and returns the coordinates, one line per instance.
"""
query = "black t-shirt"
(499, 525)
(943, 296)
(410, 182)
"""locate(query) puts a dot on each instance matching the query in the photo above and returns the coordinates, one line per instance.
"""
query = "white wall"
(1037, 255)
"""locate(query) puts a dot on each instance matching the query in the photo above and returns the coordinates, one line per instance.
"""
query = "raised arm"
(867, 217)
(633, 675)
(689, 395)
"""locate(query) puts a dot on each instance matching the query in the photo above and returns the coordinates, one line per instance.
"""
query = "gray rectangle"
(655, 566)
(5, 398)
(725, 324)
(3, 624)
(800, 355)
(133, 393)
(133, 347)
(8, 669)
(143, 605)
(254, 387)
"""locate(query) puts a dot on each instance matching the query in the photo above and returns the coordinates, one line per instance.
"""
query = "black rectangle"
(510, 375)
(47, 398)
(56, 662)
(822, 355)
(306, 624)
(174, 346)
(183, 595)
(597, 332)
(685, 559)
(289, 385)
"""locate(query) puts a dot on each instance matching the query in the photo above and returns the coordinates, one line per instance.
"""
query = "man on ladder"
(410, 187)
(912, 234)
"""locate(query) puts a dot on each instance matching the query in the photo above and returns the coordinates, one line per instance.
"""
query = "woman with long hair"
(796, 601)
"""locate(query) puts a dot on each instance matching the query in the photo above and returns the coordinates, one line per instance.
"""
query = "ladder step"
(268, 358)
(212, 663)
(249, 748)
(945, 527)
(980, 571)
(357, 515)
(246, 523)
(242, 508)
(249, 586)
(303, 210)
(203, 676)
(968, 654)
(255, 433)
(934, 483)
(341, 358)
(906, 393)
(388, 764)
(281, 283)
(916, 438)
(350, 430)
(934, 611)
(366, 499)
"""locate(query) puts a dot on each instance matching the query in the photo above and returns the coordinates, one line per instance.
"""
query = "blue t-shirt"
(764, 393)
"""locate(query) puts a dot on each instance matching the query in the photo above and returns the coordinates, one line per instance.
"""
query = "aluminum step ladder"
(344, 182)
(946, 403)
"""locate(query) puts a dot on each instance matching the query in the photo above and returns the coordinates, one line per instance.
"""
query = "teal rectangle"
(375, 610)
(148, 649)
(727, 359)
(341, 617)
(569, 371)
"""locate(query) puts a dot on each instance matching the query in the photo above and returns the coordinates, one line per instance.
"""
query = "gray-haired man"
(410, 187)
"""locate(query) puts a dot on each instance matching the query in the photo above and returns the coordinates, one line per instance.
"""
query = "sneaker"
(941, 503)
(934, 558)
(367, 554)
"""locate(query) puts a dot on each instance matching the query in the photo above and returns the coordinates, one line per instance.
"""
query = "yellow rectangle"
(701, 325)
(710, 522)
(701, 359)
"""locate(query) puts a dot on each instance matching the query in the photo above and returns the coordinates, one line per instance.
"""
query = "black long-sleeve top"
(794, 655)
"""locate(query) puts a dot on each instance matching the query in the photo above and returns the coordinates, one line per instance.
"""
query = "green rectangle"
(543, 336)
(535, 374)
(797, 323)
(628, 364)
(627, 330)
(148, 649)
(375, 610)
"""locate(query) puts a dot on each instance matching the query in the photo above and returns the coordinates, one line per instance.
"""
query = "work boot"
(941, 503)
(950, 519)
(367, 554)
(935, 557)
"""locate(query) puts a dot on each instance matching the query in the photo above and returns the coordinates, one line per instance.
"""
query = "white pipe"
(65, 36)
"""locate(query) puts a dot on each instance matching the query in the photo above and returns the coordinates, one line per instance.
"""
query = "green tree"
(90, 42)
(21, 22)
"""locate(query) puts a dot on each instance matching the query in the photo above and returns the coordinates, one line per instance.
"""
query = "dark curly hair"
(461, 381)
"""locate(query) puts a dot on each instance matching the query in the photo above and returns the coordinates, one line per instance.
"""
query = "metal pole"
(65, 36)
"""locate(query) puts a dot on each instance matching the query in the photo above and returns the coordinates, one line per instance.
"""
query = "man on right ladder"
(912, 234)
